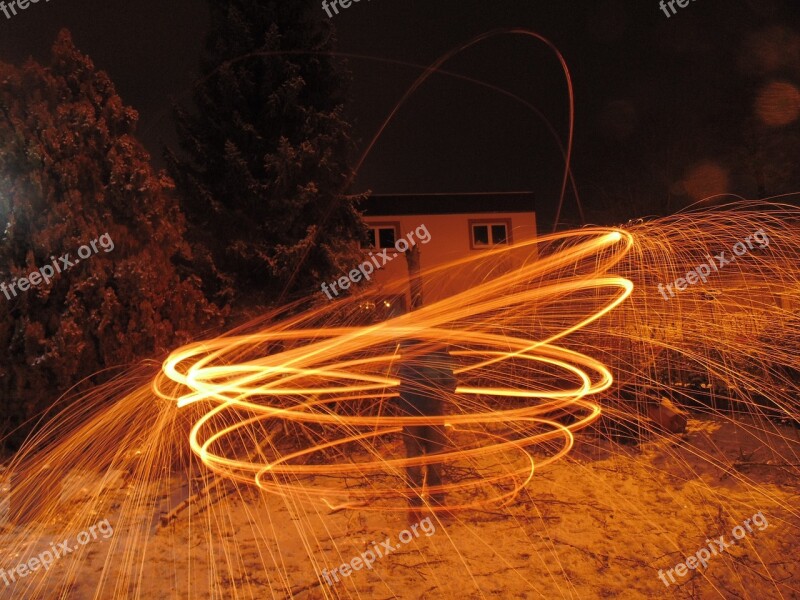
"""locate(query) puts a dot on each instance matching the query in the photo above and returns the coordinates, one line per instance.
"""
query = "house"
(452, 227)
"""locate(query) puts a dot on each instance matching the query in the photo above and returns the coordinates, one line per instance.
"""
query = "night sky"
(655, 96)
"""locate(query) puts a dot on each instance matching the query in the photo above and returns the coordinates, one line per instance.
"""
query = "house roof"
(382, 205)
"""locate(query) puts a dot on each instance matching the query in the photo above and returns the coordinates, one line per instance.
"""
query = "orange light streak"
(327, 369)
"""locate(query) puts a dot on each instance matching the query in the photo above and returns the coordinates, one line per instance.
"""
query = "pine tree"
(267, 151)
(71, 170)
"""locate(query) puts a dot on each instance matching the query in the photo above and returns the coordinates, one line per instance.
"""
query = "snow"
(599, 523)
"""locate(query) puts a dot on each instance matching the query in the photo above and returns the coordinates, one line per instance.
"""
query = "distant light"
(706, 179)
(778, 104)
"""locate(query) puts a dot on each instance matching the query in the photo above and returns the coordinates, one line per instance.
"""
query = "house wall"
(450, 237)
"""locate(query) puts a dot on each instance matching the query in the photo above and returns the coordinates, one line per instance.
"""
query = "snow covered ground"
(600, 523)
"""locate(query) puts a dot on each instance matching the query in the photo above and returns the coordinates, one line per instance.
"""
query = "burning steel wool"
(600, 401)
(339, 380)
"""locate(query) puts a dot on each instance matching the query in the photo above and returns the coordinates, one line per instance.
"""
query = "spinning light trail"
(300, 404)
(331, 369)
(296, 407)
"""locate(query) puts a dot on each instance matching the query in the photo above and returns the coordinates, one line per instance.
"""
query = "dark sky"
(655, 97)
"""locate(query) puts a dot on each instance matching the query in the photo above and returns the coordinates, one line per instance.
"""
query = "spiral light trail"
(296, 409)
(331, 368)
(279, 424)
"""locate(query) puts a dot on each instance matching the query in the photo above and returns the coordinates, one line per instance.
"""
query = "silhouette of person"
(426, 379)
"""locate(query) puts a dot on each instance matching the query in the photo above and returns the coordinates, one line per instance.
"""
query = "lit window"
(489, 234)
